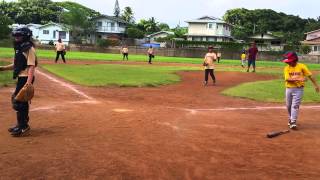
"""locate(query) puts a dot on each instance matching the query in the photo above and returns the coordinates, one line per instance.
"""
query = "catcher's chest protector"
(20, 63)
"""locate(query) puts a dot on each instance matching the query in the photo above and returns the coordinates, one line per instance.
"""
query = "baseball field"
(98, 117)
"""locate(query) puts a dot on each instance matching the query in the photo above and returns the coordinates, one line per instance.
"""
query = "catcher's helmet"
(22, 31)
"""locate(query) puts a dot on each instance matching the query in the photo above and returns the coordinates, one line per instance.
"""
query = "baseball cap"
(290, 57)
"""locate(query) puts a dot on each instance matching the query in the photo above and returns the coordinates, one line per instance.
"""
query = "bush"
(51, 43)
(135, 33)
(291, 47)
(5, 21)
(305, 49)
(108, 42)
(103, 43)
(6, 43)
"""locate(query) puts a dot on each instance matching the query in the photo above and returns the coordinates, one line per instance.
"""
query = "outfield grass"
(118, 75)
(269, 91)
(74, 55)
(5, 77)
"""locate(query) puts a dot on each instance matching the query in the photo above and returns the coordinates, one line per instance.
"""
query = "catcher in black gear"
(23, 70)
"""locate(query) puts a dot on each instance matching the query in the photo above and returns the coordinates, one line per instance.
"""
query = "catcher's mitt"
(25, 94)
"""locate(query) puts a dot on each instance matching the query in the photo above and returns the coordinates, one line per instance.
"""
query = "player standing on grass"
(150, 54)
(295, 76)
(23, 69)
(243, 58)
(61, 50)
(218, 56)
(252, 55)
(208, 64)
(125, 52)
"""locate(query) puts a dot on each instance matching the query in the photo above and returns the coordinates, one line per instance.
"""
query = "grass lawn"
(118, 75)
(269, 91)
(73, 55)
(5, 77)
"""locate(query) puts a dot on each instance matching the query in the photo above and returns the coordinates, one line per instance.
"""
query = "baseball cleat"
(18, 132)
(11, 129)
(293, 126)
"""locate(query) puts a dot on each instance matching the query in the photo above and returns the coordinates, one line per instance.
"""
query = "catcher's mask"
(23, 32)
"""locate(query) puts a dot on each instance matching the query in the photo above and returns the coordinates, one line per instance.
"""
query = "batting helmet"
(290, 57)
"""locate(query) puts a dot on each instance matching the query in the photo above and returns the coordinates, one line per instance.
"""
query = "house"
(267, 41)
(161, 34)
(50, 32)
(152, 38)
(209, 28)
(313, 40)
(108, 27)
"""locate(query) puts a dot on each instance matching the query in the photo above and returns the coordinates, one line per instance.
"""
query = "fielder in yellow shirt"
(295, 75)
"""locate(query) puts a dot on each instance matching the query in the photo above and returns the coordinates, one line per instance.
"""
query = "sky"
(174, 12)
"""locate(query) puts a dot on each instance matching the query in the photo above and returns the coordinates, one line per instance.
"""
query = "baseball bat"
(276, 133)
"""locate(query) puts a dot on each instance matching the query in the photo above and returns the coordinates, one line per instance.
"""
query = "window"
(62, 34)
(45, 32)
(99, 23)
(112, 26)
(210, 25)
(54, 34)
(315, 48)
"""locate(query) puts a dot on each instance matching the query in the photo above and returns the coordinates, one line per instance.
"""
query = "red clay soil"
(148, 133)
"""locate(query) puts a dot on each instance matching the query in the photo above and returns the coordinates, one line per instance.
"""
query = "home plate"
(122, 110)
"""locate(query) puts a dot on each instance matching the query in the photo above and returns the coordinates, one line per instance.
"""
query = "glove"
(205, 64)
(25, 94)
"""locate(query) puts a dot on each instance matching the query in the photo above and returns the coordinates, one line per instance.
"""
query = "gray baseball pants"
(293, 101)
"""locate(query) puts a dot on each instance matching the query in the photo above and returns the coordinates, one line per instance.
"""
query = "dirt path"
(181, 131)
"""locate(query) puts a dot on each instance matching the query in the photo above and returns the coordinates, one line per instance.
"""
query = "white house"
(52, 32)
(152, 38)
(209, 28)
(313, 40)
(108, 27)
(267, 41)
(161, 34)
(48, 32)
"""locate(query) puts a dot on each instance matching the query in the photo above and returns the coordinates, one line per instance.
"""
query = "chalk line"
(51, 107)
(69, 86)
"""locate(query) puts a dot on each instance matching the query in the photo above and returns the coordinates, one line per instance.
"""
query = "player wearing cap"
(295, 76)
(252, 56)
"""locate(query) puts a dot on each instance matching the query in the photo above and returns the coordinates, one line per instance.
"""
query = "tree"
(116, 10)
(248, 22)
(179, 32)
(134, 32)
(40, 11)
(79, 22)
(164, 27)
(5, 21)
(127, 15)
(149, 26)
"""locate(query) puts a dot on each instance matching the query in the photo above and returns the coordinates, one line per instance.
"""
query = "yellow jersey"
(299, 71)
(243, 56)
